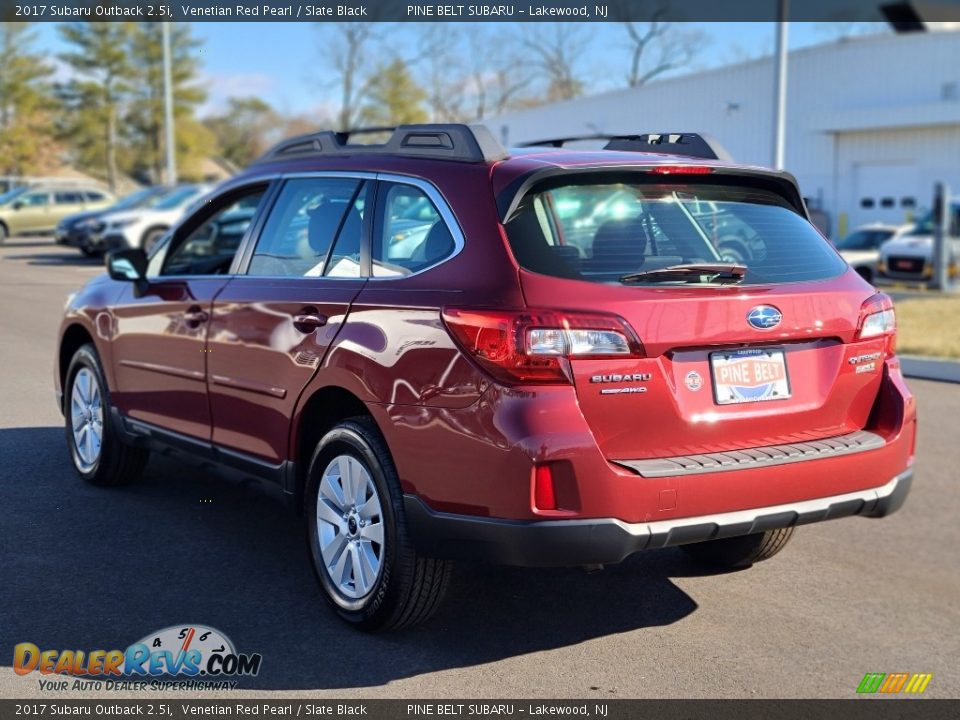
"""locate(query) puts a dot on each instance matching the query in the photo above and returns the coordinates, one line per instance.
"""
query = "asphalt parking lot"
(82, 567)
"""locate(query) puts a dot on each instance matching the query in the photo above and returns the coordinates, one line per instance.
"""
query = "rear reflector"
(544, 497)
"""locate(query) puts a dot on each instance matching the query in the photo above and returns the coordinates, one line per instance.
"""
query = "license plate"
(750, 375)
(905, 264)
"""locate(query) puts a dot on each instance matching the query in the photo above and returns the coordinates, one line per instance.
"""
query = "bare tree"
(444, 70)
(347, 52)
(657, 47)
(496, 81)
(556, 51)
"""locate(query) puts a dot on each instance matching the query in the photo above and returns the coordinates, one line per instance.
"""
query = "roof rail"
(446, 141)
(689, 144)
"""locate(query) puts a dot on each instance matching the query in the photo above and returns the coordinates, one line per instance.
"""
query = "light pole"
(780, 87)
(171, 150)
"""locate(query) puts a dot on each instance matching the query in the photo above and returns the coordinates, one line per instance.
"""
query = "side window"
(297, 237)
(68, 198)
(207, 247)
(95, 196)
(345, 257)
(36, 199)
(410, 235)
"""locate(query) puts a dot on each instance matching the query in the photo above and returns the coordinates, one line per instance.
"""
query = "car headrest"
(619, 244)
(438, 243)
(324, 220)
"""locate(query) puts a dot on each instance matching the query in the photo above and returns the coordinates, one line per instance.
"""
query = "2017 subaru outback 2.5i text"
(441, 350)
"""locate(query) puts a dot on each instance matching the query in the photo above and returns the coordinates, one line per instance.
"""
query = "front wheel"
(98, 453)
(151, 238)
(740, 552)
(357, 534)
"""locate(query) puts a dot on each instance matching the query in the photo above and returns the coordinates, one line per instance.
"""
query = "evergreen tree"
(99, 57)
(394, 97)
(26, 104)
(145, 118)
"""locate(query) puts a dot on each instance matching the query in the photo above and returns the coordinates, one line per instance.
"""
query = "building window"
(866, 203)
(888, 202)
(908, 202)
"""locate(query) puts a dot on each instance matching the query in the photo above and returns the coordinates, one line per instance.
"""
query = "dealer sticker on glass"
(749, 375)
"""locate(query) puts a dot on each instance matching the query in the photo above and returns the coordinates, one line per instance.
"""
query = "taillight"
(535, 346)
(877, 319)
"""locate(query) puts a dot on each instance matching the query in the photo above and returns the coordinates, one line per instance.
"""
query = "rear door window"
(602, 232)
(68, 198)
(299, 233)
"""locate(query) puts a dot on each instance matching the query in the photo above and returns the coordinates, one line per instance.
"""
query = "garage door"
(885, 192)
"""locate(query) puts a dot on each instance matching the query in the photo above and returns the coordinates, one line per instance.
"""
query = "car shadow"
(68, 257)
(8, 243)
(94, 568)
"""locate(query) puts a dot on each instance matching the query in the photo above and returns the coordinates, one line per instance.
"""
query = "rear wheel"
(4, 233)
(98, 453)
(739, 552)
(357, 534)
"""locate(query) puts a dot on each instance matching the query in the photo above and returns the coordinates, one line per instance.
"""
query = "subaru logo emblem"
(764, 317)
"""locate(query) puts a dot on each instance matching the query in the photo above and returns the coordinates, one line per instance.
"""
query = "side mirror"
(128, 266)
(17, 205)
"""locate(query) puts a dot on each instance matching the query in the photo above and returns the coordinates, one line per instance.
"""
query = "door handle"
(195, 316)
(309, 320)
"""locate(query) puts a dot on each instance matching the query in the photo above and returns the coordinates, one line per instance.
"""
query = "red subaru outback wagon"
(441, 350)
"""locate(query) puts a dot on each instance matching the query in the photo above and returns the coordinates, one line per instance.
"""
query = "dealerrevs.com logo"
(200, 657)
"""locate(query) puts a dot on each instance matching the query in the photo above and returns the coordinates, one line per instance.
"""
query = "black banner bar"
(916, 12)
(874, 708)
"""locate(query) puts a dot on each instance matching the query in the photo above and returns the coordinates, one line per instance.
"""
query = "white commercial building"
(872, 122)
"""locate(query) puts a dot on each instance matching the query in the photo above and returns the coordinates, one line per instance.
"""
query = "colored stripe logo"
(892, 683)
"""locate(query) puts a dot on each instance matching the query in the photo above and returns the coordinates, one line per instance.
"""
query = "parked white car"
(143, 227)
(861, 248)
(910, 256)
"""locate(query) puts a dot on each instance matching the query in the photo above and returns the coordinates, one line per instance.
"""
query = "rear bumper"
(545, 543)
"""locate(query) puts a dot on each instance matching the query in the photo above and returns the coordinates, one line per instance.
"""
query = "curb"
(924, 368)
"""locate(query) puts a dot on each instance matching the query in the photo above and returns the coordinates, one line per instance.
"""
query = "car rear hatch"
(755, 341)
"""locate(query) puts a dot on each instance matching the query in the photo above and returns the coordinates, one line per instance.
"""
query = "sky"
(284, 64)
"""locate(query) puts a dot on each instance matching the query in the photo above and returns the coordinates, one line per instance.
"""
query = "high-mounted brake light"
(681, 170)
(878, 319)
(535, 346)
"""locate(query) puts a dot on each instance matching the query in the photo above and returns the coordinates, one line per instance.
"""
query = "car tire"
(150, 238)
(98, 453)
(733, 250)
(88, 252)
(739, 552)
(352, 499)
(4, 233)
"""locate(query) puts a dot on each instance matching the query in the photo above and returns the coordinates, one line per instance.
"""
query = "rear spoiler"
(783, 183)
(698, 145)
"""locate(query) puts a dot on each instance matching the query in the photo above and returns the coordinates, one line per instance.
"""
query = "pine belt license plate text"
(750, 375)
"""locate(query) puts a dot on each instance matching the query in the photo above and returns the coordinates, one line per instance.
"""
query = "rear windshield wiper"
(711, 273)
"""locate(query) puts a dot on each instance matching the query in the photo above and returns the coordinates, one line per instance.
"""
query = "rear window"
(602, 232)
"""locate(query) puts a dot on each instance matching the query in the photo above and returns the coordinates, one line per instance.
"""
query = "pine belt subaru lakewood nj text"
(442, 350)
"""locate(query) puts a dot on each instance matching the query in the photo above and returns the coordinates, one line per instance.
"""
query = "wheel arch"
(152, 229)
(319, 412)
(74, 337)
